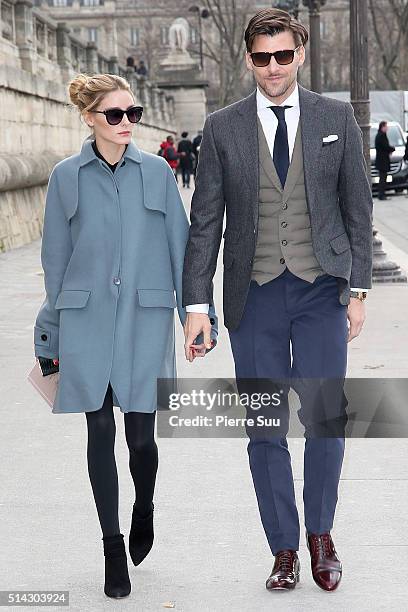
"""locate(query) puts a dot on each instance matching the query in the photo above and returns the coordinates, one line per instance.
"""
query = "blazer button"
(212, 321)
(284, 242)
(116, 281)
(44, 337)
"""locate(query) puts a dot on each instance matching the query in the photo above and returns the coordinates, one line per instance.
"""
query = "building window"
(91, 2)
(134, 37)
(60, 3)
(193, 35)
(93, 35)
(164, 35)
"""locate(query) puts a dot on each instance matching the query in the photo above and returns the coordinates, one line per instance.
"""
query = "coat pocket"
(157, 297)
(340, 243)
(72, 298)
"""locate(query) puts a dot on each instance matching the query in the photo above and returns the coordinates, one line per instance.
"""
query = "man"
(382, 158)
(287, 165)
(185, 151)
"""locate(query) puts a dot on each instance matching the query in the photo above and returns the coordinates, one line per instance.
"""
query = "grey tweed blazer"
(338, 195)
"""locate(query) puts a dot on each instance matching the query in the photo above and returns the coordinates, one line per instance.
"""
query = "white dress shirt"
(269, 124)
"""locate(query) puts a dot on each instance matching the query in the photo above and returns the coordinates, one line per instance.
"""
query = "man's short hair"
(273, 21)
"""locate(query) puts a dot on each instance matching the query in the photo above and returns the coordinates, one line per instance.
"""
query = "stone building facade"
(38, 56)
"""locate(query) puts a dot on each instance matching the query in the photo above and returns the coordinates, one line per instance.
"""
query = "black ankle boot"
(141, 536)
(117, 583)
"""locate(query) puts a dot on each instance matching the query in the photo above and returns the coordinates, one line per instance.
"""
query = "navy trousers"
(293, 328)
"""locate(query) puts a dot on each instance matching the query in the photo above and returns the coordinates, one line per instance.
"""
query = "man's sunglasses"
(261, 59)
(115, 115)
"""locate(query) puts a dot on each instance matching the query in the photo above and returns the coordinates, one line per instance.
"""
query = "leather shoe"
(326, 566)
(285, 571)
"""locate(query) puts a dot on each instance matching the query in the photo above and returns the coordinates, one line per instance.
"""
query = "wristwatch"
(360, 295)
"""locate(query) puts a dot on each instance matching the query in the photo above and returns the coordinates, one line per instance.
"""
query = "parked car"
(397, 178)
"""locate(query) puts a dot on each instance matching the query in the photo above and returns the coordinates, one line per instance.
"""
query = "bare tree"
(229, 18)
(389, 20)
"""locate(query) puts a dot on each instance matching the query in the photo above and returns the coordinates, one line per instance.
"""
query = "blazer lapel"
(310, 122)
(245, 135)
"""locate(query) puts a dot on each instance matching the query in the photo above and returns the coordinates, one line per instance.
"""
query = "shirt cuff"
(203, 308)
(358, 289)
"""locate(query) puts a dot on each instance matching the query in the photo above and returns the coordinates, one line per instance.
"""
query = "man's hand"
(356, 316)
(196, 322)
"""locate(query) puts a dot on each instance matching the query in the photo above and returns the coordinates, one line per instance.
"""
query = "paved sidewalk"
(210, 552)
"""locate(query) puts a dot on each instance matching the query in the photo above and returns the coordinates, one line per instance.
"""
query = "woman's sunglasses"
(261, 59)
(115, 115)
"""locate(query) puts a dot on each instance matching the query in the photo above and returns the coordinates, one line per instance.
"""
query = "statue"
(178, 35)
(178, 58)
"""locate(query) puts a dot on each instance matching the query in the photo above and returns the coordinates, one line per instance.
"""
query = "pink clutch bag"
(46, 385)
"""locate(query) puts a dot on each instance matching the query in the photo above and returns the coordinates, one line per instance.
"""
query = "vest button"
(282, 260)
(284, 242)
(284, 224)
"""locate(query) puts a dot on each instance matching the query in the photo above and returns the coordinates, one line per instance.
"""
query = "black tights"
(143, 461)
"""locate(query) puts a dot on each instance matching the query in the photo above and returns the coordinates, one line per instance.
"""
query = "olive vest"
(284, 233)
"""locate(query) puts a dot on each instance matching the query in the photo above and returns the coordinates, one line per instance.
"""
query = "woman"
(113, 246)
(170, 154)
(382, 159)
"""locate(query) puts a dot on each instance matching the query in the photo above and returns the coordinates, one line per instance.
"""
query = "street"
(210, 552)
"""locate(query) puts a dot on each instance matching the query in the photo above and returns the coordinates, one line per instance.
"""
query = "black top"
(383, 151)
(98, 154)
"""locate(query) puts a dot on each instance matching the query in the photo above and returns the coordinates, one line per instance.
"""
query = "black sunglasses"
(115, 115)
(261, 59)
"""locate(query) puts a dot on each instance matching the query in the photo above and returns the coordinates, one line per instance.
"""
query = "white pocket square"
(330, 138)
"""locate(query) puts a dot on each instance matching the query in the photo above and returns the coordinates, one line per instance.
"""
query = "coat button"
(282, 260)
(116, 281)
(284, 242)
(44, 337)
(284, 206)
(212, 321)
(284, 224)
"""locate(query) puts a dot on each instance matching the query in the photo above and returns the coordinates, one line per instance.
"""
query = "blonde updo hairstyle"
(86, 92)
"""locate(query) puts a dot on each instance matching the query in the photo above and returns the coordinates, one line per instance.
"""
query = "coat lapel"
(246, 143)
(310, 122)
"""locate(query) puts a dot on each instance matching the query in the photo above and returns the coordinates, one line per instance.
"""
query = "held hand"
(196, 323)
(356, 317)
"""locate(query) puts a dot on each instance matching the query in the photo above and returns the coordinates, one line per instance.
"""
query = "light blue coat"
(112, 252)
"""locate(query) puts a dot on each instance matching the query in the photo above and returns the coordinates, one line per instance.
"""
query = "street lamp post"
(291, 6)
(384, 270)
(201, 14)
(314, 7)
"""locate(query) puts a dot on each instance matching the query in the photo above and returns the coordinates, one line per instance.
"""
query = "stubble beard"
(278, 90)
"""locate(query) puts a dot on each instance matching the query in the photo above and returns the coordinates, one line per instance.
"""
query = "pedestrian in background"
(382, 158)
(169, 152)
(185, 151)
(141, 69)
(113, 244)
